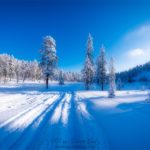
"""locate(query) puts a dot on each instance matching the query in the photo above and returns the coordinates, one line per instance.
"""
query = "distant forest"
(140, 73)
(11, 67)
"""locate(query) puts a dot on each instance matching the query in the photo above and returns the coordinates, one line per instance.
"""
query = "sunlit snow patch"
(83, 110)
(23, 120)
(65, 110)
(105, 103)
(57, 113)
(81, 107)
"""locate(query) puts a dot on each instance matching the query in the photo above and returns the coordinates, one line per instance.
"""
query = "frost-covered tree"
(34, 66)
(4, 66)
(11, 67)
(88, 70)
(101, 68)
(38, 75)
(88, 73)
(72, 76)
(90, 48)
(112, 84)
(17, 69)
(25, 70)
(48, 58)
(61, 78)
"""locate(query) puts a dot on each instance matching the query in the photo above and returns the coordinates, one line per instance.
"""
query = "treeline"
(94, 71)
(140, 73)
(12, 68)
(19, 70)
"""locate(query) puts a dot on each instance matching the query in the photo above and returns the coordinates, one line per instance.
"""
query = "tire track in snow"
(8, 101)
(20, 122)
(7, 122)
(65, 110)
(69, 117)
(29, 132)
(58, 123)
(61, 112)
(44, 132)
(72, 132)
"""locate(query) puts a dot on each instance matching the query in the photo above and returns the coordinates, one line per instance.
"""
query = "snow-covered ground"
(68, 117)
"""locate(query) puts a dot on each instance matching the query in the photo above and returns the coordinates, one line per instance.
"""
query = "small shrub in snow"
(112, 84)
(61, 78)
(143, 88)
(148, 98)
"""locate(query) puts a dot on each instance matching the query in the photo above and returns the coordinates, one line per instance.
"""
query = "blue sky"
(122, 26)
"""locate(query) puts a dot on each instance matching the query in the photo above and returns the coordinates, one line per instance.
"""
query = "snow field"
(75, 119)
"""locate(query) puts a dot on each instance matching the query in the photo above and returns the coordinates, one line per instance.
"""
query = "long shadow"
(40, 133)
(12, 135)
(127, 129)
(28, 133)
(95, 132)
(140, 106)
(24, 111)
(56, 132)
(29, 88)
(91, 98)
(66, 136)
(74, 133)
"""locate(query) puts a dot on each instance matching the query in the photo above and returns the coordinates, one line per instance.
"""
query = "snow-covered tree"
(72, 76)
(34, 68)
(4, 66)
(88, 73)
(11, 67)
(61, 78)
(101, 68)
(48, 58)
(88, 70)
(38, 74)
(112, 84)
(25, 70)
(90, 48)
(17, 69)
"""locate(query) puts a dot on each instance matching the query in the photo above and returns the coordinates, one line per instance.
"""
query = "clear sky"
(123, 26)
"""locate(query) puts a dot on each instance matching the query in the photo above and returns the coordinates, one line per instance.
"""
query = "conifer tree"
(48, 58)
(101, 69)
(88, 70)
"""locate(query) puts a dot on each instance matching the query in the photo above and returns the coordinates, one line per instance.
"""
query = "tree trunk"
(47, 82)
